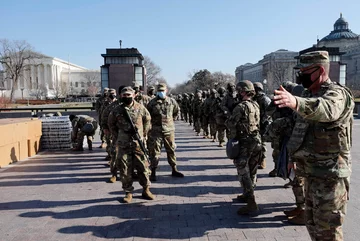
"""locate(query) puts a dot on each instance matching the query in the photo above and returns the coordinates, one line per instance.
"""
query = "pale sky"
(178, 35)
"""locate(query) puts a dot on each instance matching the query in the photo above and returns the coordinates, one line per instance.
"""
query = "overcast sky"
(178, 35)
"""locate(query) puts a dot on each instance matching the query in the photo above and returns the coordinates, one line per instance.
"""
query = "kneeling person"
(83, 125)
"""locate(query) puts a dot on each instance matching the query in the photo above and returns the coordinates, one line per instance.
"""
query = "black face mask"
(111, 96)
(305, 78)
(127, 100)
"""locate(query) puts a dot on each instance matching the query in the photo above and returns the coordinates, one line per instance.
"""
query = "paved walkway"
(64, 196)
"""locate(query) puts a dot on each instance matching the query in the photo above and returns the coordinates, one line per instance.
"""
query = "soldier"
(264, 101)
(244, 126)
(139, 97)
(98, 105)
(163, 110)
(230, 100)
(83, 125)
(204, 118)
(111, 96)
(189, 108)
(184, 107)
(220, 116)
(129, 154)
(320, 143)
(151, 92)
(196, 106)
(209, 113)
(110, 148)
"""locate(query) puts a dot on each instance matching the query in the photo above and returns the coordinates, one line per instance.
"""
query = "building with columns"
(46, 77)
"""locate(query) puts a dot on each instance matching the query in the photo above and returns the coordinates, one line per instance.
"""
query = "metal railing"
(42, 109)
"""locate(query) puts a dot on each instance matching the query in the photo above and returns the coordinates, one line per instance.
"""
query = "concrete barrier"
(20, 139)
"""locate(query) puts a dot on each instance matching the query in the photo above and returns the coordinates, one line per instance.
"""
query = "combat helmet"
(258, 85)
(245, 85)
(221, 90)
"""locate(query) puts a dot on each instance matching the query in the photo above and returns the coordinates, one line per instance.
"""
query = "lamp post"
(265, 87)
(22, 92)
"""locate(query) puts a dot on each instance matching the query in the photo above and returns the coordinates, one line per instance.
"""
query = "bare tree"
(61, 89)
(93, 90)
(39, 92)
(280, 72)
(15, 57)
(92, 78)
(153, 72)
(222, 79)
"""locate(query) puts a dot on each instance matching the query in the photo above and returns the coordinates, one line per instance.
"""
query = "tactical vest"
(249, 125)
(322, 143)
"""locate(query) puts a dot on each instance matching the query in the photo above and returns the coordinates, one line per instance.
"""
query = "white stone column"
(32, 77)
(46, 76)
(38, 75)
(51, 77)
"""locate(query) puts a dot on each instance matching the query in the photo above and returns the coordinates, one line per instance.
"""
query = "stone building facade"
(274, 69)
(46, 77)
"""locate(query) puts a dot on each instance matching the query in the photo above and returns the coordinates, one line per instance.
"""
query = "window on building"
(94, 83)
(82, 84)
(76, 84)
(89, 84)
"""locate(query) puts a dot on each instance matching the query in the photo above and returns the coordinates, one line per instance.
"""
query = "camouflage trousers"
(129, 160)
(275, 144)
(247, 164)
(221, 129)
(213, 128)
(190, 117)
(325, 207)
(155, 142)
(197, 124)
(205, 125)
(80, 139)
(298, 190)
(108, 144)
(185, 115)
(114, 165)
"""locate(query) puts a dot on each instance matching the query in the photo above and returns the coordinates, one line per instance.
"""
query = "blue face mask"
(161, 95)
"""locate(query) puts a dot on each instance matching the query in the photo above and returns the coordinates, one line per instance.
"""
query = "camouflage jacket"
(79, 121)
(220, 114)
(196, 107)
(163, 113)
(106, 112)
(322, 135)
(120, 128)
(209, 107)
(245, 120)
(264, 101)
(99, 103)
(229, 102)
(143, 99)
(184, 104)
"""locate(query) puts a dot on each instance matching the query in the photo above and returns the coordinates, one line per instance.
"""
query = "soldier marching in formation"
(309, 127)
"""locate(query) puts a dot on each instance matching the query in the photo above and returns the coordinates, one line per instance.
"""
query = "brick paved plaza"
(65, 196)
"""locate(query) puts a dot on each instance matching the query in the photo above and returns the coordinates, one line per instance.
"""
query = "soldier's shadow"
(164, 221)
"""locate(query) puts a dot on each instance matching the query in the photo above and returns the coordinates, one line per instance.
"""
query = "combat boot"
(101, 145)
(298, 219)
(153, 175)
(250, 208)
(262, 164)
(128, 197)
(293, 212)
(273, 173)
(243, 198)
(78, 149)
(176, 173)
(146, 194)
(112, 179)
(221, 144)
(288, 185)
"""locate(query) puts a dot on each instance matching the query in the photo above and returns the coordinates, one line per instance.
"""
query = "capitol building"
(50, 77)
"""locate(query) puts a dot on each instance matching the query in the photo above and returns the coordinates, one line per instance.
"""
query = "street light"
(265, 82)
(22, 92)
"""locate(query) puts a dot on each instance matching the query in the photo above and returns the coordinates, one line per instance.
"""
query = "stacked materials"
(56, 133)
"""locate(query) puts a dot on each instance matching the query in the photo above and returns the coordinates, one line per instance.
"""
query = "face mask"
(161, 94)
(305, 78)
(127, 100)
(151, 92)
(111, 96)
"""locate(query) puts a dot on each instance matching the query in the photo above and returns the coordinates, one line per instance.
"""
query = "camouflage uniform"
(204, 118)
(220, 116)
(189, 107)
(98, 104)
(142, 99)
(209, 113)
(244, 126)
(320, 144)
(111, 148)
(78, 122)
(129, 155)
(151, 92)
(196, 106)
(163, 112)
(184, 106)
